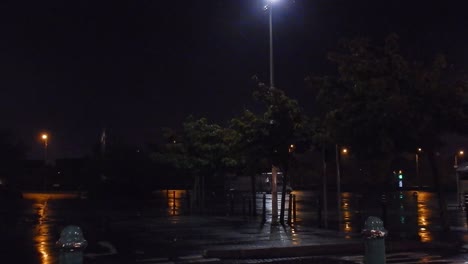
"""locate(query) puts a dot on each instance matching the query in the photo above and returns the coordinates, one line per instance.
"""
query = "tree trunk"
(324, 190)
(194, 202)
(440, 194)
(274, 195)
(283, 196)
(254, 195)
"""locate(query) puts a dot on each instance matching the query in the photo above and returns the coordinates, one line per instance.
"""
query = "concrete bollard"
(374, 234)
(71, 244)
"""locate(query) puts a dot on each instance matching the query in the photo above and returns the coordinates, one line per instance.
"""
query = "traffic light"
(400, 178)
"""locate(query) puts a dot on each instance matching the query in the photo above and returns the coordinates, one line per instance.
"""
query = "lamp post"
(274, 169)
(45, 137)
(343, 151)
(419, 150)
(457, 175)
(270, 19)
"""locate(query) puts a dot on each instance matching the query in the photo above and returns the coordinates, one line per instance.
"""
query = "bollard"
(71, 244)
(290, 209)
(294, 208)
(374, 242)
(465, 198)
(264, 208)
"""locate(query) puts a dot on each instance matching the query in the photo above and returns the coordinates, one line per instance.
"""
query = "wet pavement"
(241, 240)
(128, 232)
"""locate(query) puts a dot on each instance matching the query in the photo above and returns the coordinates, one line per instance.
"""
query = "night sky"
(72, 68)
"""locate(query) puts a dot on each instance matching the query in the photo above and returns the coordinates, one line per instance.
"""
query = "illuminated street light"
(274, 170)
(419, 150)
(291, 148)
(344, 151)
(457, 175)
(269, 7)
(459, 153)
(45, 138)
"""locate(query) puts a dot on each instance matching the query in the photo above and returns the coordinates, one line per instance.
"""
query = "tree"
(272, 135)
(202, 151)
(382, 105)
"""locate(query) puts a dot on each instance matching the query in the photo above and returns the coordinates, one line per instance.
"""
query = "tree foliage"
(381, 103)
(200, 148)
(272, 133)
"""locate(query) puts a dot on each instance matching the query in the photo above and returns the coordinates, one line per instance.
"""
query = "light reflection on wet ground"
(409, 214)
(45, 229)
(46, 214)
(425, 215)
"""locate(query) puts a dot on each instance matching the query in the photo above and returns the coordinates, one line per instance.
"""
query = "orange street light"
(45, 138)
(419, 150)
(455, 165)
(343, 151)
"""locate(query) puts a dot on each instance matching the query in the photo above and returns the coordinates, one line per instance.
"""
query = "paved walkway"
(228, 238)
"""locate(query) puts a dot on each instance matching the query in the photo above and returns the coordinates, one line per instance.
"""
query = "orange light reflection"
(347, 212)
(43, 230)
(174, 201)
(424, 214)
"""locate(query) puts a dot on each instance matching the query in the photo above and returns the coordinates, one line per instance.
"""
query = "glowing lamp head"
(461, 152)
(44, 136)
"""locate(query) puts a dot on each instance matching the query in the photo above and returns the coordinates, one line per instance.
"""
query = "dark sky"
(72, 68)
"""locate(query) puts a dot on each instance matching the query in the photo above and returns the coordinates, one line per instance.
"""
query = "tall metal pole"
(45, 137)
(417, 171)
(272, 81)
(45, 150)
(274, 169)
(457, 176)
(338, 186)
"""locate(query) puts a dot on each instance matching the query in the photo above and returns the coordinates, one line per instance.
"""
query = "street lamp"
(269, 7)
(457, 175)
(343, 151)
(419, 150)
(45, 138)
(274, 169)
